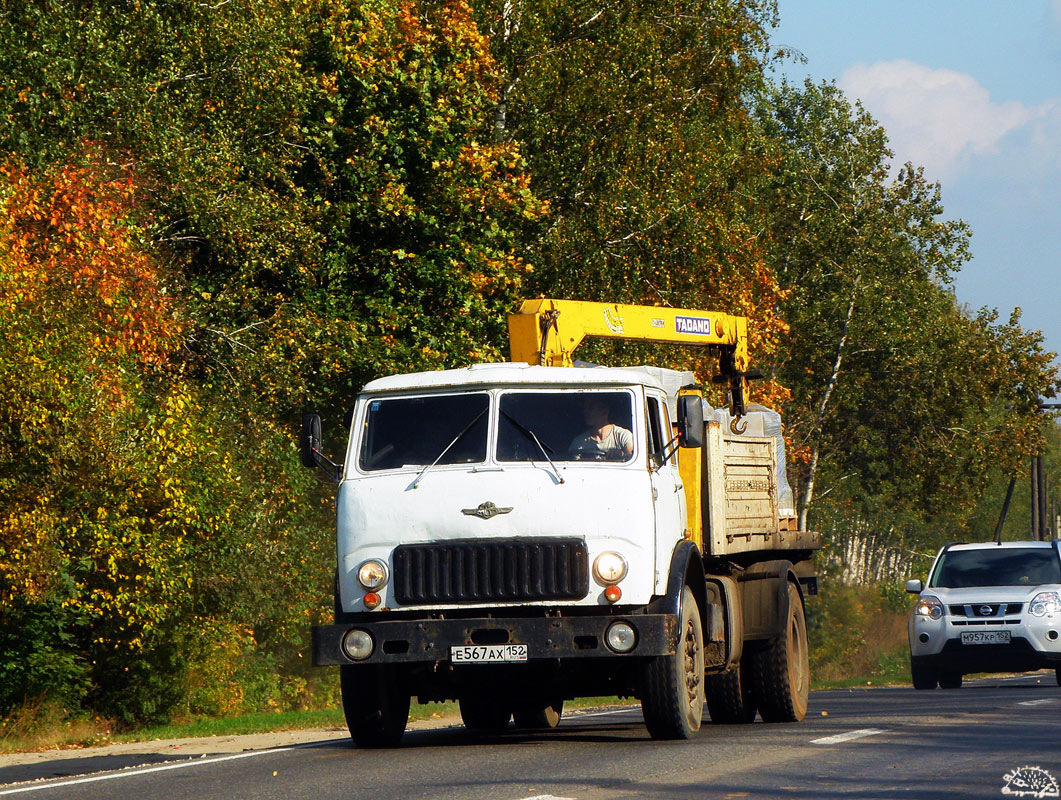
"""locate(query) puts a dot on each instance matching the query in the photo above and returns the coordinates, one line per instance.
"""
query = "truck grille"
(509, 570)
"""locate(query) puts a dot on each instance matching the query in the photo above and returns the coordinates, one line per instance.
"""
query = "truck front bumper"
(406, 641)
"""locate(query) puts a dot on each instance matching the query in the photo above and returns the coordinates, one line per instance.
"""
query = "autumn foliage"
(218, 216)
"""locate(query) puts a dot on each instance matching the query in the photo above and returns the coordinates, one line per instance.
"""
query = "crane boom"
(547, 331)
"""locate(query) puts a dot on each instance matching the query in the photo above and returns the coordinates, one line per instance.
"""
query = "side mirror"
(914, 587)
(309, 442)
(690, 420)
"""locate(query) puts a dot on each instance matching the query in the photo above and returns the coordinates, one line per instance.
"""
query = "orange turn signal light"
(372, 600)
(612, 594)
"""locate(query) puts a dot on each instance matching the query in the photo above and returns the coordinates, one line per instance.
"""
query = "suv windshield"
(566, 425)
(414, 431)
(1001, 566)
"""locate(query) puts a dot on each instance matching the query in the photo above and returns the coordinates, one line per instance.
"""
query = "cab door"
(668, 499)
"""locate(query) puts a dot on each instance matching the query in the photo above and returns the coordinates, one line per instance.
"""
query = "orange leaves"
(70, 252)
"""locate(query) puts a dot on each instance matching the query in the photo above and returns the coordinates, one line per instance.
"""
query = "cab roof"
(522, 374)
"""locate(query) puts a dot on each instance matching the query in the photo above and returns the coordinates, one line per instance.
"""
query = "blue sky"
(971, 90)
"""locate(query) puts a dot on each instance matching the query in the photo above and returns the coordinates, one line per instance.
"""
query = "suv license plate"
(985, 637)
(491, 654)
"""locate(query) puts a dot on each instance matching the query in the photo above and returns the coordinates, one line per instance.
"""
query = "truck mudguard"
(687, 568)
(724, 592)
(764, 591)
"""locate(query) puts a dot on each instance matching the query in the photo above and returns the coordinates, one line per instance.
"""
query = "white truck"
(511, 536)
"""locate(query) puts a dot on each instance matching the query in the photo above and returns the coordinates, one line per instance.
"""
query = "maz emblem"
(485, 511)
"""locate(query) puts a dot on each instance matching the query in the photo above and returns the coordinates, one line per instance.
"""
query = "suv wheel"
(923, 673)
(950, 680)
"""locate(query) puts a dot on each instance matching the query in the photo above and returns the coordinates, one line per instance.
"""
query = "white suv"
(987, 607)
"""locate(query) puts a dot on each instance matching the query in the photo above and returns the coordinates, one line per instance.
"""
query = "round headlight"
(372, 574)
(621, 637)
(358, 645)
(609, 568)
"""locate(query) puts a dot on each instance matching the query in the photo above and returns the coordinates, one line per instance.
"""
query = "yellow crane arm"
(547, 331)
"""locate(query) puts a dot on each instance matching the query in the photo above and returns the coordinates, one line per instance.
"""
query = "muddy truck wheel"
(540, 714)
(729, 696)
(375, 706)
(672, 692)
(780, 671)
(484, 713)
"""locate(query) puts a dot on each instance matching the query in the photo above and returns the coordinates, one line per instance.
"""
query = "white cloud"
(940, 118)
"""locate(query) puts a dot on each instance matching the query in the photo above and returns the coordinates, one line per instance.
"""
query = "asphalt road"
(978, 741)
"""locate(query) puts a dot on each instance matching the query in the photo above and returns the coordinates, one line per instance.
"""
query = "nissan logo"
(985, 611)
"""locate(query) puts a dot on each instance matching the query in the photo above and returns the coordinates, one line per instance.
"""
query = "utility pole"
(1036, 527)
(1042, 524)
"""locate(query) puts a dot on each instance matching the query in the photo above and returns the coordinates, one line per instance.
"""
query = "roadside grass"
(42, 727)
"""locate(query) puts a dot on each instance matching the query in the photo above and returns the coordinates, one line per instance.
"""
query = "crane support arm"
(547, 331)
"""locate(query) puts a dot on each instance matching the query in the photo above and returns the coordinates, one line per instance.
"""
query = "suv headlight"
(1045, 603)
(929, 607)
(372, 574)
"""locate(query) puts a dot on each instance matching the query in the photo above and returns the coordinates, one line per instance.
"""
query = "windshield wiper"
(456, 439)
(534, 438)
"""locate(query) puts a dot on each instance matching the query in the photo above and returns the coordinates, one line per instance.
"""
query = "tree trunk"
(808, 487)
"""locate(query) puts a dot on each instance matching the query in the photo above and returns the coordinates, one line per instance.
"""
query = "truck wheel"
(780, 671)
(923, 674)
(949, 679)
(729, 697)
(672, 696)
(484, 714)
(544, 714)
(376, 708)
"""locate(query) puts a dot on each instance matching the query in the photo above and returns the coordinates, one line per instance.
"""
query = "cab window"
(416, 431)
(561, 425)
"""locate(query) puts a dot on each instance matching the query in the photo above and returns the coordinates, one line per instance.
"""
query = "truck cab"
(458, 482)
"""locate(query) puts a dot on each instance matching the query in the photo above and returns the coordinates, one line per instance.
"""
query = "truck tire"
(484, 714)
(923, 674)
(780, 671)
(672, 693)
(375, 706)
(540, 715)
(729, 697)
(950, 679)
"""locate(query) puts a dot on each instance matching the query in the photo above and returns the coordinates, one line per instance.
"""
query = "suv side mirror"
(690, 420)
(914, 587)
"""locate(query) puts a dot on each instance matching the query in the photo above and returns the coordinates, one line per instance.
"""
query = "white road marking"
(1043, 702)
(133, 772)
(546, 797)
(847, 737)
(602, 714)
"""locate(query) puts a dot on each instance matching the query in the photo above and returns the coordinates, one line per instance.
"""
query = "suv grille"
(509, 570)
(981, 610)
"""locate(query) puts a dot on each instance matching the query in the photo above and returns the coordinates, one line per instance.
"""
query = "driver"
(601, 439)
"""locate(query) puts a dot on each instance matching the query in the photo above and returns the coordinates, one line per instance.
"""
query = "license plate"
(985, 637)
(487, 654)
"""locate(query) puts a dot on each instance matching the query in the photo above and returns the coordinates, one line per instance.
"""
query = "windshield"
(567, 426)
(959, 569)
(414, 431)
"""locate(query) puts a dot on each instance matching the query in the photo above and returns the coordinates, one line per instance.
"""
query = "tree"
(894, 386)
(633, 119)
